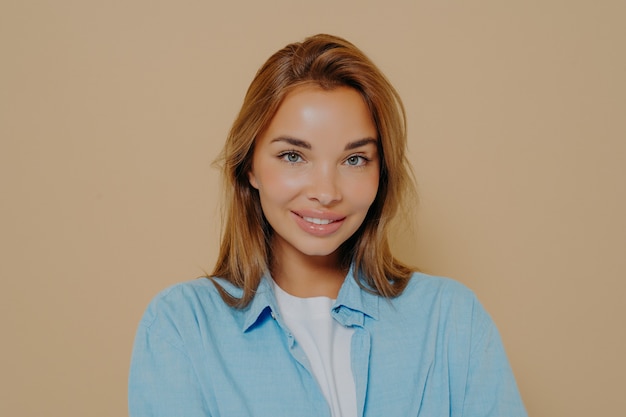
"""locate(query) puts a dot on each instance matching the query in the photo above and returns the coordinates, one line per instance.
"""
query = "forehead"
(312, 112)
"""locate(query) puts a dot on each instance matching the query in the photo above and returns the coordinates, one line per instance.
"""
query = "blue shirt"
(433, 351)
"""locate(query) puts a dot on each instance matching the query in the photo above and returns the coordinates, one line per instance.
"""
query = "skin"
(316, 167)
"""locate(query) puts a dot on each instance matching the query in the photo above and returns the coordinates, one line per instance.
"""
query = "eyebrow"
(306, 145)
(359, 143)
(293, 141)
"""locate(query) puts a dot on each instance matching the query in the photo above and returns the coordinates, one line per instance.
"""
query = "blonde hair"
(329, 62)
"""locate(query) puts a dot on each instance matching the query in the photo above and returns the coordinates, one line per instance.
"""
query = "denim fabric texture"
(432, 351)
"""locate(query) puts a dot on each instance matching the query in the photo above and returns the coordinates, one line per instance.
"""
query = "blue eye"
(291, 157)
(355, 160)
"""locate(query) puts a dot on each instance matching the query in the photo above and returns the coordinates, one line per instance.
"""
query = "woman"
(307, 312)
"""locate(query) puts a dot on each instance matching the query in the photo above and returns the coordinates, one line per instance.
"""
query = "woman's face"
(316, 168)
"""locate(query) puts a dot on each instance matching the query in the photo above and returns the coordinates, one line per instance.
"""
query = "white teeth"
(317, 221)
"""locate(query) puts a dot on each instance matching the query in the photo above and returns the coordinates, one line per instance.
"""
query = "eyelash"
(283, 156)
(364, 161)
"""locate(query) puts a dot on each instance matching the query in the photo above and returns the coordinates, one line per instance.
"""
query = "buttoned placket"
(300, 356)
(295, 350)
(346, 316)
(360, 351)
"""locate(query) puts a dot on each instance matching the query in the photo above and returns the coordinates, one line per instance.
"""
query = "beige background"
(111, 112)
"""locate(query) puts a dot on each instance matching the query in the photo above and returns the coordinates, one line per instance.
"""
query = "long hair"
(328, 62)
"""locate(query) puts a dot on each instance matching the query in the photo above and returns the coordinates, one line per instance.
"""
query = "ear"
(252, 179)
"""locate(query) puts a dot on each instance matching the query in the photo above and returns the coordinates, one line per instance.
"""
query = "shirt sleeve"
(162, 380)
(491, 390)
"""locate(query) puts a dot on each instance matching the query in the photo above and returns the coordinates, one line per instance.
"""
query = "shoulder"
(439, 298)
(186, 302)
(438, 309)
(424, 287)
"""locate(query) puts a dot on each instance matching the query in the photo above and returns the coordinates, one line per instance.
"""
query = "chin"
(318, 250)
(319, 253)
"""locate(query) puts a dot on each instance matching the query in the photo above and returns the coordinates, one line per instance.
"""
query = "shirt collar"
(263, 303)
(356, 298)
(351, 296)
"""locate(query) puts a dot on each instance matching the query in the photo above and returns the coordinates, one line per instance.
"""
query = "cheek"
(278, 184)
(363, 191)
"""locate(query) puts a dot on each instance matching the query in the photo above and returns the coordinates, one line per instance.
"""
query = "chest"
(398, 369)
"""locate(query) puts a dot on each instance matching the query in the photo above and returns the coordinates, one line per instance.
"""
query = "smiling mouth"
(318, 221)
(317, 226)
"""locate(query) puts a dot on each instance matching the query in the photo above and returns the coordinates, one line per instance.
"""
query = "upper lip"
(317, 214)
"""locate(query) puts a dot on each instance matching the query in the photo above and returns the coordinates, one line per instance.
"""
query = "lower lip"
(317, 229)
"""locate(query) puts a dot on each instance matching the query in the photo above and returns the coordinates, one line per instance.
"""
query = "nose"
(324, 186)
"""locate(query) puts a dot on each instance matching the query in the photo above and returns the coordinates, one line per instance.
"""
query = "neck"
(307, 276)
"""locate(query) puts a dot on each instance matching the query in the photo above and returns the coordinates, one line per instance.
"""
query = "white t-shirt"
(326, 344)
